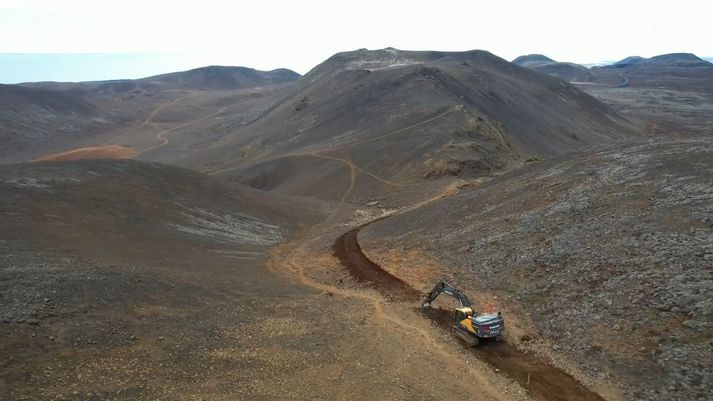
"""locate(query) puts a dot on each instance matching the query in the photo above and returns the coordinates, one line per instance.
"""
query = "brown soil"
(542, 380)
(346, 249)
(92, 152)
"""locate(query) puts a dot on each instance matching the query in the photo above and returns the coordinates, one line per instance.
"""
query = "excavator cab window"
(460, 315)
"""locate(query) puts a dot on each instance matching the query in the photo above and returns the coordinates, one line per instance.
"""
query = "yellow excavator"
(468, 325)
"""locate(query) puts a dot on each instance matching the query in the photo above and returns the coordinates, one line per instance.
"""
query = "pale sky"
(154, 36)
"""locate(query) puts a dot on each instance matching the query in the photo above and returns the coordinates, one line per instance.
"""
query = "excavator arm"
(444, 287)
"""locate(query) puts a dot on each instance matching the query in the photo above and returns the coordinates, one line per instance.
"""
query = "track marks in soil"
(150, 117)
(161, 136)
(398, 131)
(345, 195)
(320, 152)
(355, 167)
(147, 121)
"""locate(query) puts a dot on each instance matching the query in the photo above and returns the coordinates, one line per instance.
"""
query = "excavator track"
(470, 340)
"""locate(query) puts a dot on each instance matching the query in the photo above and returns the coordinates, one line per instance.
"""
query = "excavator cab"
(463, 314)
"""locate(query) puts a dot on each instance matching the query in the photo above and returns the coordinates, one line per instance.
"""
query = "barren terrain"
(609, 259)
(270, 237)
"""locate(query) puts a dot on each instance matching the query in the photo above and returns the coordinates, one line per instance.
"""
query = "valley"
(228, 233)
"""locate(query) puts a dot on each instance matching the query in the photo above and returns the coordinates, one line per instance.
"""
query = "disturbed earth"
(541, 380)
(226, 233)
(610, 260)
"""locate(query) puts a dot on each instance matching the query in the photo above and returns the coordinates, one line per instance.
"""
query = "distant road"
(624, 82)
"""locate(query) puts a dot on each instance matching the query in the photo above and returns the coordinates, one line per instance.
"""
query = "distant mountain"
(632, 60)
(678, 60)
(219, 77)
(675, 71)
(406, 115)
(565, 71)
(204, 78)
(684, 60)
(532, 59)
(44, 117)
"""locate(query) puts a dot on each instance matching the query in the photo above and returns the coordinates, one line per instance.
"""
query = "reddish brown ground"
(542, 380)
(92, 152)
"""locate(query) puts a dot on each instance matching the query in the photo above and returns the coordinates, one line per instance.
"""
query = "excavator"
(469, 326)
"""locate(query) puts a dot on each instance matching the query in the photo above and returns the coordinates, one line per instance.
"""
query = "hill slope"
(127, 280)
(34, 118)
(532, 59)
(407, 115)
(606, 256)
(38, 119)
(204, 78)
(220, 77)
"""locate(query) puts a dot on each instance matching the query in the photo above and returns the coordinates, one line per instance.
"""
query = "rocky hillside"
(37, 119)
(32, 118)
(127, 280)
(411, 115)
(219, 77)
(205, 78)
(112, 272)
(607, 255)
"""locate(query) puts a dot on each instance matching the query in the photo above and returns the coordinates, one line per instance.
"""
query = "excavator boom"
(444, 287)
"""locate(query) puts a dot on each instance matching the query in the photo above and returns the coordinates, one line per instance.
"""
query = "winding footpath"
(624, 81)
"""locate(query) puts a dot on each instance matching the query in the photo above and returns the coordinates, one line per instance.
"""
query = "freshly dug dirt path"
(346, 249)
(542, 380)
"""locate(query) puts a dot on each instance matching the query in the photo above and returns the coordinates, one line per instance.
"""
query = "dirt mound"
(92, 152)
